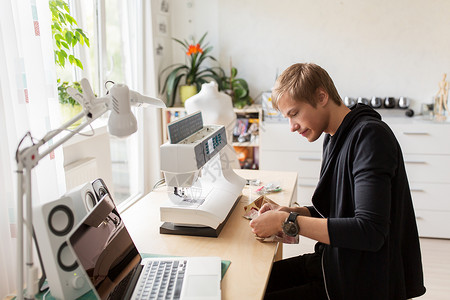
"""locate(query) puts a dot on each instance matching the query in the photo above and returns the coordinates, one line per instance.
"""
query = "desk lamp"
(121, 123)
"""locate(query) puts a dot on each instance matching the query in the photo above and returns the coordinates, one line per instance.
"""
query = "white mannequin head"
(216, 107)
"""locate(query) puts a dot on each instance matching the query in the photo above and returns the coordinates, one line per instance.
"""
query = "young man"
(362, 218)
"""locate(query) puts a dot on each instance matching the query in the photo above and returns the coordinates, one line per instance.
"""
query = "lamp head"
(119, 99)
(121, 122)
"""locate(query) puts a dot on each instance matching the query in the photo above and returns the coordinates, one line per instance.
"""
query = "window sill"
(132, 200)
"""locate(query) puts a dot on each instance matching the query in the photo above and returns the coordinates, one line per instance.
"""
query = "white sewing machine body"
(202, 186)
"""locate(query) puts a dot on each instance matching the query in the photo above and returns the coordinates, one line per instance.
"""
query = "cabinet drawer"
(307, 164)
(423, 138)
(425, 196)
(428, 168)
(434, 224)
(280, 137)
(430, 196)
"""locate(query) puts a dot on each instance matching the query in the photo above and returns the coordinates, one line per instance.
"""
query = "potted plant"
(66, 35)
(191, 74)
(237, 88)
(69, 106)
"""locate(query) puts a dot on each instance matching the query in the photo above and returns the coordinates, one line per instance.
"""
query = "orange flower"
(194, 49)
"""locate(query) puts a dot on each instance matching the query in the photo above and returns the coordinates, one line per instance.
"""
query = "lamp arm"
(51, 134)
(68, 136)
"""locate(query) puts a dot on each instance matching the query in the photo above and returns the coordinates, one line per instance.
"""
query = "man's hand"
(269, 222)
(271, 206)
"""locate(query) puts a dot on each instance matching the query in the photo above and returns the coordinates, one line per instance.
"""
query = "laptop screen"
(105, 250)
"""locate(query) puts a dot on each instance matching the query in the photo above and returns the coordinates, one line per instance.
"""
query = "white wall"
(370, 48)
(191, 19)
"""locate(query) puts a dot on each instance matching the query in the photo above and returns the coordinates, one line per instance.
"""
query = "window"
(109, 58)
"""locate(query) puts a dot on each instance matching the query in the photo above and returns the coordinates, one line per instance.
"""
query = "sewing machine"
(202, 187)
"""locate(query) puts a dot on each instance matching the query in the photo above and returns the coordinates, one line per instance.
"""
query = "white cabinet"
(420, 136)
(283, 150)
(426, 151)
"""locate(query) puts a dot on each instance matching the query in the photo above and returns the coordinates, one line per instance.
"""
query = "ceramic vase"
(186, 92)
(68, 111)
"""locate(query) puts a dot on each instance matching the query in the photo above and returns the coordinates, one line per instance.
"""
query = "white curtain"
(141, 75)
(27, 100)
(147, 83)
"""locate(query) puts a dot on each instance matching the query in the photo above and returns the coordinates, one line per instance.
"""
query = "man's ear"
(322, 96)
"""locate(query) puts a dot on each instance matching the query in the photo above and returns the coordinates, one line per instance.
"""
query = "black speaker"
(100, 189)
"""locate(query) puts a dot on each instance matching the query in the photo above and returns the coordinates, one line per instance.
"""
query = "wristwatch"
(290, 226)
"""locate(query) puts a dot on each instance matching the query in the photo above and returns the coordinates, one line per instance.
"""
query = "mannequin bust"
(217, 109)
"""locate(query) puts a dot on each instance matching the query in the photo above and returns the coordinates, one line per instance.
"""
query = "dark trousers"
(297, 278)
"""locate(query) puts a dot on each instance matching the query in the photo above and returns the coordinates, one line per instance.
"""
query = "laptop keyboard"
(161, 280)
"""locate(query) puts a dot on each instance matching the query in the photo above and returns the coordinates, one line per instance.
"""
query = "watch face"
(290, 229)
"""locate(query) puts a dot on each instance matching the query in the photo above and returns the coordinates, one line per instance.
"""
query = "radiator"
(80, 172)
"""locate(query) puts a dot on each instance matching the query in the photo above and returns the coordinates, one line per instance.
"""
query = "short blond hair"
(301, 81)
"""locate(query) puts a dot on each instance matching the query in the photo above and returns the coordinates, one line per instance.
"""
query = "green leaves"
(81, 37)
(75, 61)
(170, 84)
(64, 97)
(60, 58)
(66, 34)
(233, 72)
(237, 88)
(193, 72)
(185, 44)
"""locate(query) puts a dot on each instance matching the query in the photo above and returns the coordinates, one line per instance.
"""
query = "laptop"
(111, 261)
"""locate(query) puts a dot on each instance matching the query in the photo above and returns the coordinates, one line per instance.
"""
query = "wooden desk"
(251, 261)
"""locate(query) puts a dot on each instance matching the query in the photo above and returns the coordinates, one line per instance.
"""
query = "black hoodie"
(363, 191)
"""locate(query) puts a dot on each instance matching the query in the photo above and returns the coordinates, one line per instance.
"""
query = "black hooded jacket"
(363, 191)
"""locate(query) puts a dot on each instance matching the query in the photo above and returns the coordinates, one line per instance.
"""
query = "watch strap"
(293, 217)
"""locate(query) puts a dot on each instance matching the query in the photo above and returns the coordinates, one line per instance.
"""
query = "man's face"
(303, 118)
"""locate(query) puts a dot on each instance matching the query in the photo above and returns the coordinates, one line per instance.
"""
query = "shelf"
(254, 108)
(246, 144)
(175, 108)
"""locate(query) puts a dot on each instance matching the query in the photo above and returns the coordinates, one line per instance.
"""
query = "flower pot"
(186, 92)
(68, 111)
